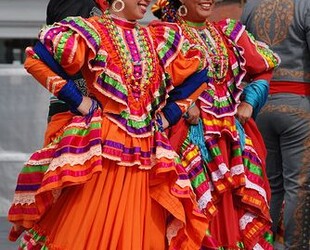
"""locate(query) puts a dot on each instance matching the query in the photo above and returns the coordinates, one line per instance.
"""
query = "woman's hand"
(87, 105)
(164, 121)
(244, 112)
(192, 115)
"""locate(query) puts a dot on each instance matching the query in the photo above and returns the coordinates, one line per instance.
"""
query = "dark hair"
(168, 12)
(60, 9)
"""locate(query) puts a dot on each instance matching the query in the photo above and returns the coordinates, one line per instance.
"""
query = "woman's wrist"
(162, 122)
(85, 105)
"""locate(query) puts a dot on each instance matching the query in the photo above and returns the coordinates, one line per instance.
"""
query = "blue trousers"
(285, 125)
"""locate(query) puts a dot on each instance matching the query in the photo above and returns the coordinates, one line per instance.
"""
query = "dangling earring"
(182, 10)
(122, 5)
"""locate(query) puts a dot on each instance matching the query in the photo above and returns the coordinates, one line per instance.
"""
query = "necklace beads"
(210, 39)
(136, 84)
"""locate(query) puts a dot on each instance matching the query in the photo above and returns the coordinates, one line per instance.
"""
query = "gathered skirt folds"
(229, 180)
(102, 205)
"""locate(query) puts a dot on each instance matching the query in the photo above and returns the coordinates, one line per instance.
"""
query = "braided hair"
(166, 10)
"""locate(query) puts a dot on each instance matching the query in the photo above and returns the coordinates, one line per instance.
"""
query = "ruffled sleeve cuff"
(72, 41)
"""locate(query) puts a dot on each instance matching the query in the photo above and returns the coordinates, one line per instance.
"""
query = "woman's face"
(198, 10)
(134, 9)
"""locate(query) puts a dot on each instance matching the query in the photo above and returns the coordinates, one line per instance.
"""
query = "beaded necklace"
(210, 39)
(148, 60)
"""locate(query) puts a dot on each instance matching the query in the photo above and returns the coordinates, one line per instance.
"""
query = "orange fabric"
(53, 82)
(128, 216)
(57, 122)
(194, 96)
(75, 62)
(184, 104)
(118, 215)
(196, 227)
(177, 134)
(158, 239)
(50, 79)
(182, 68)
(179, 72)
(117, 207)
(184, 63)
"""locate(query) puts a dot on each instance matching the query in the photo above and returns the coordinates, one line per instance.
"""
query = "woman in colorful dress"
(56, 11)
(108, 178)
(224, 154)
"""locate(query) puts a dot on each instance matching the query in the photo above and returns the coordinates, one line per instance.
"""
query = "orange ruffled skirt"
(117, 207)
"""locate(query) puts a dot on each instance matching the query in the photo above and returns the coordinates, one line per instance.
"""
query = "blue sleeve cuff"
(256, 94)
(189, 86)
(172, 113)
(71, 95)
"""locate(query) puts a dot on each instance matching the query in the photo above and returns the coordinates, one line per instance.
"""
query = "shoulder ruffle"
(168, 40)
(62, 40)
(234, 29)
(272, 60)
(130, 114)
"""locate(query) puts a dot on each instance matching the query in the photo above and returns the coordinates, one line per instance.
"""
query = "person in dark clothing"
(60, 9)
(285, 120)
(56, 11)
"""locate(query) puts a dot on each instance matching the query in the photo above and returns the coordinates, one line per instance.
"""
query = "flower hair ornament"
(166, 10)
(159, 5)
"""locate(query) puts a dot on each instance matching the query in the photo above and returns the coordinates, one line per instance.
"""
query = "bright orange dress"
(111, 181)
(225, 160)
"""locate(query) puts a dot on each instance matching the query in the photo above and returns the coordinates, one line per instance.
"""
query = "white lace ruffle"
(258, 247)
(219, 174)
(245, 220)
(184, 183)
(205, 199)
(165, 153)
(44, 161)
(237, 170)
(74, 159)
(260, 190)
(21, 198)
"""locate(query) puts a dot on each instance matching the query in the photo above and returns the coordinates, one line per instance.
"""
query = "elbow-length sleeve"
(73, 43)
(259, 59)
